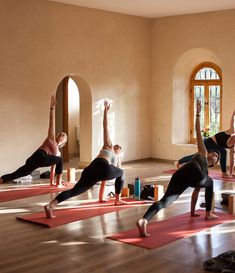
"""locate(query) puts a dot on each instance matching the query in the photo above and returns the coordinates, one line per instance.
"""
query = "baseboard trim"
(149, 159)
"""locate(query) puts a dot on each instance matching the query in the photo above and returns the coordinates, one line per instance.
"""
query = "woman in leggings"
(219, 142)
(193, 174)
(102, 168)
(46, 155)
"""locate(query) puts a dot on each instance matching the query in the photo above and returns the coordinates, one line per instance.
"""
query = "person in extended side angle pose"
(219, 142)
(46, 155)
(192, 174)
(100, 169)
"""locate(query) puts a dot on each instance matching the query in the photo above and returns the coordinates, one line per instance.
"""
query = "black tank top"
(221, 139)
(201, 162)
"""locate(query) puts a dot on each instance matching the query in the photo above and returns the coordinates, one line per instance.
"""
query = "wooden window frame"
(206, 84)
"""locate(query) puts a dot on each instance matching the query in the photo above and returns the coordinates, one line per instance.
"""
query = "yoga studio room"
(117, 136)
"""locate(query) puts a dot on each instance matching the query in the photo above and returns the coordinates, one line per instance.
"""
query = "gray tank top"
(111, 157)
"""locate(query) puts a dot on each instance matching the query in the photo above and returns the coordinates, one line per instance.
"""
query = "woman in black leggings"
(46, 155)
(102, 168)
(193, 174)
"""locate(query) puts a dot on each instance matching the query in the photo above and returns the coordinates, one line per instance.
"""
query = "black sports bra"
(222, 138)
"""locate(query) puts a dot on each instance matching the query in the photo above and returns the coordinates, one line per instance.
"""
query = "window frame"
(206, 84)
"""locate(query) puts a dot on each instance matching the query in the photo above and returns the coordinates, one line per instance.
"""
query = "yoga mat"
(212, 173)
(29, 191)
(167, 231)
(83, 211)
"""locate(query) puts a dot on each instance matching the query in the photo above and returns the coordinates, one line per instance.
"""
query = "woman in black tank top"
(219, 142)
(193, 174)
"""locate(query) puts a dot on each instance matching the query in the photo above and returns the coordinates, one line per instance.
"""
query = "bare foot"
(49, 211)
(225, 175)
(142, 227)
(60, 186)
(195, 214)
(120, 202)
(1, 181)
(211, 216)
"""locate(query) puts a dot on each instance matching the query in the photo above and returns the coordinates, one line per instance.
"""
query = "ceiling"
(154, 8)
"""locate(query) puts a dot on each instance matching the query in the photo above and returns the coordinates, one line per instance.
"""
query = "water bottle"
(137, 188)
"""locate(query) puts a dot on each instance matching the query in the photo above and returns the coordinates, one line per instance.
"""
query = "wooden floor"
(82, 247)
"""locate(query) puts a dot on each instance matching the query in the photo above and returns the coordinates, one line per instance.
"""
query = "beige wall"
(179, 44)
(142, 65)
(107, 54)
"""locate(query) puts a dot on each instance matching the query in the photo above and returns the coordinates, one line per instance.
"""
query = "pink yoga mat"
(167, 231)
(81, 212)
(29, 191)
(212, 173)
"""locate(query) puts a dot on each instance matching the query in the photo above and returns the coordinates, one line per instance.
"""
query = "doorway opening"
(68, 117)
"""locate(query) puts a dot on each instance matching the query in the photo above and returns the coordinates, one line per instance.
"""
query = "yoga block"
(125, 192)
(71, 175)
(231, 204)
(225, 197)
(158, 192)
(131, 188)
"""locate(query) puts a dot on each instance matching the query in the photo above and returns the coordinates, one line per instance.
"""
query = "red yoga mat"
(167, 231)
(29, 191)
(212, 173)
(83, 211)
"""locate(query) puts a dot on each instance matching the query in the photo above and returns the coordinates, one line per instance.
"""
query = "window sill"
(189, 145)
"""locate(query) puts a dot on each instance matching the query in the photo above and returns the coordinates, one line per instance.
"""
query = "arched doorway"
(73, 116)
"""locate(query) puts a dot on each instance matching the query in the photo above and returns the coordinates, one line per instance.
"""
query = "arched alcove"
(85, 116)
(181, 82)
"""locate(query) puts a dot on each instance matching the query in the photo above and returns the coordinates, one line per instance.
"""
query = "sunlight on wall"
(73, 95)
(74, 122)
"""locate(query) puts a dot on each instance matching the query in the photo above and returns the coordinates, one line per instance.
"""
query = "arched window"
(206, 85)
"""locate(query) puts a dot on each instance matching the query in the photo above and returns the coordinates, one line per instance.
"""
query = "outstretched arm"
(200, 144)
(101, 192)
(231, 167)
(194, 199)
(107, 141)
(51, 129)
(231, 142)
(231, 128)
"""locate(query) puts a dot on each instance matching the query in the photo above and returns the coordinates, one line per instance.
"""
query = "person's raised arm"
(101, 192)
(231, 166)
(51, 129)
(107, 141)
(194, 199)
(200, 144)
(231, 128)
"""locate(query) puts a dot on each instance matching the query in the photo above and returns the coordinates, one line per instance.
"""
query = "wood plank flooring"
(82, 247)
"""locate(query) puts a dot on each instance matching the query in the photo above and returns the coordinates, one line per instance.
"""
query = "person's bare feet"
(142, 227)
(195, 214)
(120, 202)
(225, 175)
(60, 186)
(49, 211)
(211, 216)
